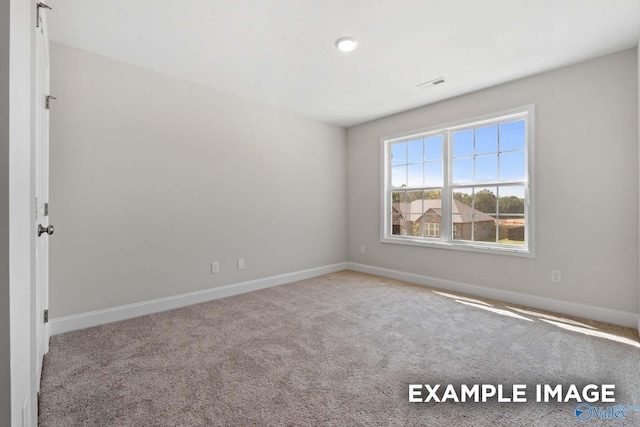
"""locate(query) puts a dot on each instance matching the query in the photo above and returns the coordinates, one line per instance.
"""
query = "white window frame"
(446, 240)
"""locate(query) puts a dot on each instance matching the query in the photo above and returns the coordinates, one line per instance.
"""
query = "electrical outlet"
(215, 267)
(240, 263)
(556, 276)
(362, 250)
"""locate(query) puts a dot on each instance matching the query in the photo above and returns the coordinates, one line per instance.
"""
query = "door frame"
(24, 380)
(41, 180)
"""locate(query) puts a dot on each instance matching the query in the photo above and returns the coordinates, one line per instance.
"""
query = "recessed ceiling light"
(346, 44)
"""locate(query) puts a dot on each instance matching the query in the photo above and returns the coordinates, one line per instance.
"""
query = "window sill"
(462, 246)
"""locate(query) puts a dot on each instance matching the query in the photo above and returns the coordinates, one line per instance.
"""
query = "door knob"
(48, 230)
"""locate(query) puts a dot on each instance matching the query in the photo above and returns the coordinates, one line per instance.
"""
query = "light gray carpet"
(335, 350)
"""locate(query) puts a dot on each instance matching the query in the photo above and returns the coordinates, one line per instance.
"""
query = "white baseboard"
(99, 317)
(94, 318)
(616, 317)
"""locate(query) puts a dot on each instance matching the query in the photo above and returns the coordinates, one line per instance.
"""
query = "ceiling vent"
(431, 83)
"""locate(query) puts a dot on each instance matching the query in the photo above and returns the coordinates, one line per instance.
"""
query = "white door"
(44, 229)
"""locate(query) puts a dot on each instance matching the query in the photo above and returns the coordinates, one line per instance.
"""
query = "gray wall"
(5, 367)
(586, 187)
(152, 178)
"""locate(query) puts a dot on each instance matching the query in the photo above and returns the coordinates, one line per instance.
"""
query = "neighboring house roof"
(415, 210)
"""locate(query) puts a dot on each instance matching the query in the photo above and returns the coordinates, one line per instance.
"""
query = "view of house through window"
(466, 184)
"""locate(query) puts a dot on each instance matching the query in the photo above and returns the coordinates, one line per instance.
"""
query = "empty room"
(234, 213)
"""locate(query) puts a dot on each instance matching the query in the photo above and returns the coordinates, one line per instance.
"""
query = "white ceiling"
(282, 53)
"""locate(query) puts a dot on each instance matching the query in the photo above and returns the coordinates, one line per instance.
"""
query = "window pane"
(414, 228)
(485, 205)
(462, 200)
(415, 175)
(433, 173)
(398, 200)
(512, 165)
(487, 140)
(399, 153)
(485, 201)
(407, 202)
(462, 211)
(463, 143)
(411, 209)
(431, 226)
(415, 199)
(511, 220)
(461, 227)
(431, 195)
(432, 208)
(487, 168)
(511, 200)
(434, 148)
(463, 170)
(474, 214)
(401, 208)
(416, 151)
(512, 232)
(398, 225)
(398, 176)
(407, 212)
(512, 136)
(484, 229)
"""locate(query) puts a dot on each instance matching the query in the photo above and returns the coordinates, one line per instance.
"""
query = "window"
(462, 186)
(433, 229)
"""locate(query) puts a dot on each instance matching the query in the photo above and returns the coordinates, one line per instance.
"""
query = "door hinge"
(38, 7)
(47, 101)
(46, 209)
(46, 316)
